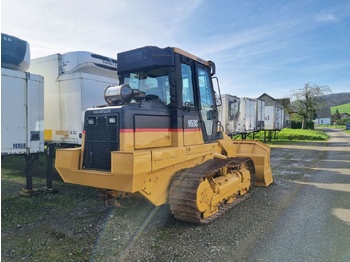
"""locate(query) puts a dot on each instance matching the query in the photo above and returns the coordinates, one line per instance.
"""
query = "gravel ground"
(85, 229)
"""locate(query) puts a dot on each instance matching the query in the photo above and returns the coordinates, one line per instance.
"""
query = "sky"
(258, 46)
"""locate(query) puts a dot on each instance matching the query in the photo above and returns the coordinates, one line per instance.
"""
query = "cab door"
(192, 134)
(207, 107)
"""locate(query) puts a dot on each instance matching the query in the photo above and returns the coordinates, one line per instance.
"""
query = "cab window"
(187, 86)
(154, 82)
(206, 100)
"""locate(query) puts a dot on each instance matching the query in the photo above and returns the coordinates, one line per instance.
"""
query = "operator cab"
(152, 74)
(165, 99)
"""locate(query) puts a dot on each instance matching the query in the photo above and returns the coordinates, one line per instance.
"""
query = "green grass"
(298, 134)
(344, 108)
(288, 134)
(331, 126)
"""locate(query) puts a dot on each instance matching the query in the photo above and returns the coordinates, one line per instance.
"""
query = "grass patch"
(299, 134)
(16, 210)
(331, 126)
(288, 134)
(46, 227)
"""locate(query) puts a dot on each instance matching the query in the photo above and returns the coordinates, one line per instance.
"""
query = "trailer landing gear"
(29, 191)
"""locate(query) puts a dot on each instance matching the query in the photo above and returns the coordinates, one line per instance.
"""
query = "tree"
(337, 115)
(307, 101)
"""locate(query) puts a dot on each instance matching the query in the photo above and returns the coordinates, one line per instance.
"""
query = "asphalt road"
(316, 224)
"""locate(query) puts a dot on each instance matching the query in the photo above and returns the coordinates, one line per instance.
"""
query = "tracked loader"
(159, 135)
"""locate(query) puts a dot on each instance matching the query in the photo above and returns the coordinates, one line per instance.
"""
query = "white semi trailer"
(274, 117)
(260, 114)
(241, 115)
(247, 115)
(229, 113)
(22, 107)
(74, 81)
(22, 112)
(22, 100)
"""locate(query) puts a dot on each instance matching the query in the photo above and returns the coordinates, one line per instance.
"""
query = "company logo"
(110, 63)
(101, 111)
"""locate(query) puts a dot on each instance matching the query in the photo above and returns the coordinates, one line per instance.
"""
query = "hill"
(344, 108)
(337, 99)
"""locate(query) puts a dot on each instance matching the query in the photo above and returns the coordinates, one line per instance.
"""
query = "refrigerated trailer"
(22, 106)
(15, 53)
(74, 81)
(22, 100)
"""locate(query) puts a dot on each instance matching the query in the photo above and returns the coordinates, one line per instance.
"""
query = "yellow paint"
(150, 170)
(152, 139)
(126, 141)
(157, 182)
(214, 192)
(47, 134)
(163, 158)
(129, 170)
(193, 137)
(260, 154)
(196, 58)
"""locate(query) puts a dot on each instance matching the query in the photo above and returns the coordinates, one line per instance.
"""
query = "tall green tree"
(337, 115)
(307, 101)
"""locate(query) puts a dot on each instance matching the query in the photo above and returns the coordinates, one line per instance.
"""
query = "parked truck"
(74, 81)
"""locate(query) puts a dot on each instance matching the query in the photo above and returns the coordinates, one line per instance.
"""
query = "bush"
(342, 122)
(288, 134)
(298, 125)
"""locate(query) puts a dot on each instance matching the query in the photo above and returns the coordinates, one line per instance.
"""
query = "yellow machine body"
(150, 171)
(160, 136)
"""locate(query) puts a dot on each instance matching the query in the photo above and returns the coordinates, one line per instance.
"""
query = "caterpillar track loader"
(159, 135)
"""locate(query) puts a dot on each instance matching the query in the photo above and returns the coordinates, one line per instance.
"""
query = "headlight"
(91, 121)
(112, 120)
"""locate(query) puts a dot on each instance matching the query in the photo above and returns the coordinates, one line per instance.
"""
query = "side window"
(205, 89)
(167, 90)
(187, 86)
(206, 100)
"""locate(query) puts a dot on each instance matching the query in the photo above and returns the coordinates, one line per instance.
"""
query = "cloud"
(255, 46)
(102, 26)
(327, 18)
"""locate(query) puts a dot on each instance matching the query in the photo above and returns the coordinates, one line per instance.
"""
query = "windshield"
(153, 82)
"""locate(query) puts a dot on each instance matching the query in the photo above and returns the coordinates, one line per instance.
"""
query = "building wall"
(323, 121)
(345, 115)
